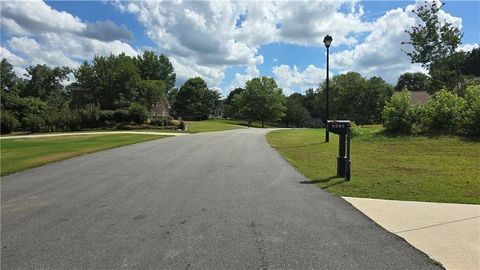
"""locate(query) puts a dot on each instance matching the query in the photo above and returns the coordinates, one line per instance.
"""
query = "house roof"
(419, 97)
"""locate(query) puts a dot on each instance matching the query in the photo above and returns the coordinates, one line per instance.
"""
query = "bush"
(137, 113)
(161, 122)
(22, 107)
(182, 125)
(107, 116)
(89, 116)
(356, 130)
(121, 116)
(9, 122)
(444, 112)
(398, 114)
(33, 123)
(471, 115)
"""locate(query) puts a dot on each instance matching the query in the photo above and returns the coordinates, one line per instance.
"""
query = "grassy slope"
(21, 154)
(441, 169)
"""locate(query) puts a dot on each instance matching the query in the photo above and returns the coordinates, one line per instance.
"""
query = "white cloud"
(468, 47)
(38, 34)
(208, 37)
(34, 17)
(289, 78)
(240, 79)
(380, 53)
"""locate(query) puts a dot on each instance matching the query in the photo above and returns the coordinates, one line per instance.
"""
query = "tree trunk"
(262, 124)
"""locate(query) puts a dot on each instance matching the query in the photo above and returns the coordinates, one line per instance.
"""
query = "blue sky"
(225, 42)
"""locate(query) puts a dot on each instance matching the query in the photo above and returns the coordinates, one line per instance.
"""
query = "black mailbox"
(342, 128)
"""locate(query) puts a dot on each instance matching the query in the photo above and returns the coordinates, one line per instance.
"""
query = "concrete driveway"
(222, 200)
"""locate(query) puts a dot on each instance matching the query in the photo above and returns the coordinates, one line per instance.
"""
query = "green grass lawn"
(21, 154)
(416, 168)
(244, 123)
(214, 125)
(209, 125)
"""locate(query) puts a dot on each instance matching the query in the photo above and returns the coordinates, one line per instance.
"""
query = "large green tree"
(416, 81)
(434, 42)
(433, 39)
(262, 100)
(296, 114)
(112, 79)
(356, 98)
(231, 110)
(155, 67)
(151, 91)
(44, 81)
(312, 102)
(194, 100)
(471, 65)
(8, 78)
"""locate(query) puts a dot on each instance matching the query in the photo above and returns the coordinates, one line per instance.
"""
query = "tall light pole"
(327, 40)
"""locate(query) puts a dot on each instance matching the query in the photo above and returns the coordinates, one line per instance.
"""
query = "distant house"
(160, 109)
(419, 97)
(218, 113)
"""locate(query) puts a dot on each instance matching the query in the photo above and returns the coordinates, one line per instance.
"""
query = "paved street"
(221, 200)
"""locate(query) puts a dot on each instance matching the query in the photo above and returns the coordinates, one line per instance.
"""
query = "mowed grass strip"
(413, 168)
(209, 125)
(21, 154)
(220, 125)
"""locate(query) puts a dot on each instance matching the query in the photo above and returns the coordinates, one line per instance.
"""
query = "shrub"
(137, 113)
(398, 114)
(89, 116)
(33, 123)
(444, 112)
(121, 115)
(160, 121)
(107, 115)
(182, 125)
(471, 115)
(22, 107)
(356, 130)
(9, 122)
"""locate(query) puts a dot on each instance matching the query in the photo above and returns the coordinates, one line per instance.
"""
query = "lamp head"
(327, 40)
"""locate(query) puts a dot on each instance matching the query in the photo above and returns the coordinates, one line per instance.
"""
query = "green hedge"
(445, 112)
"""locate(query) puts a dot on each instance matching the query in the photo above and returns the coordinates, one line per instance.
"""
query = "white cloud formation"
(35, 17)
(290, 77)
(38, 34)
(380, 53)
(204, 38)
(468, 47)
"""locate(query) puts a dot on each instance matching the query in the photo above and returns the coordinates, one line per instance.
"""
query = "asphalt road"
(223, 200)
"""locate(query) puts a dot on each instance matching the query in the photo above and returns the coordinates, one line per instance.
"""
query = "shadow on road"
(326, 180)
(316, 181)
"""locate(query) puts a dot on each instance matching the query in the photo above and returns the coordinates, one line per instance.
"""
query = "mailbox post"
(342, 129)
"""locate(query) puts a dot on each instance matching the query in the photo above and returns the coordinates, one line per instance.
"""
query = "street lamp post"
(327, 41)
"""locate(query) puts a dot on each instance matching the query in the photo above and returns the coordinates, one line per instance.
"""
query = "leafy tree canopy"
(432, 39)
(8, 78)
(471, 65)
(113, 80)
(44, 81)
(262, 100)
(195, 100)
(154, 67)
(413, 82)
